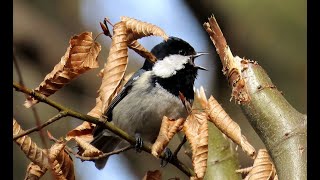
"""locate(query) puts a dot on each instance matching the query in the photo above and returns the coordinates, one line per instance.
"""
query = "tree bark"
(222, 159)
(281, 127)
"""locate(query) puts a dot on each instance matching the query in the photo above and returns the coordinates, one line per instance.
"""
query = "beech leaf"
(138, 29)
(168, 129)
(32, 151)
(262, 168)
(80, 57)
(89, 150)
(196, 130)
(115, 67)
(62, 164)
(228, 127)
(83, 131)
(34, 172)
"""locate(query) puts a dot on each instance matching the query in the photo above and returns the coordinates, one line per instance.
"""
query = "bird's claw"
(167, 157)
(139, 143)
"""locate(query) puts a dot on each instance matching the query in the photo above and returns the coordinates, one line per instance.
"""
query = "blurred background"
(272, 32)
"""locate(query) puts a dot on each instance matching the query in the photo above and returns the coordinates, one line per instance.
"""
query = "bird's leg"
(167, 157)
(139, 142)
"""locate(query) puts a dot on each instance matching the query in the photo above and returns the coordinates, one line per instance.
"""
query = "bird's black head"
(172, 46)
(175, 70)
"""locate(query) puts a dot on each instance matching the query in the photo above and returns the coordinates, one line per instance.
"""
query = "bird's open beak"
(197, 55)
(200, 54)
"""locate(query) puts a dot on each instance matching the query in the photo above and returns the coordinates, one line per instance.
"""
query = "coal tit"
(151, 93)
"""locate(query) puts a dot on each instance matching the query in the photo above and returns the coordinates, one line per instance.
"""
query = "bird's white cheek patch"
(169, 65)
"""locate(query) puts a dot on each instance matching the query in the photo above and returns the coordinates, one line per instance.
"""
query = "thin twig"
(184, 140)
(98, 36)
(37, 128)
(34, 110)
(16, 65)
(104, 155)
(146, 147)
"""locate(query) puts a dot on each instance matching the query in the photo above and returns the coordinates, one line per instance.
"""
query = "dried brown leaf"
(196, 130)
(65, 164)
(227, 126)
(262, 168)
(168, 129)
(83, 131)
(201, 98)
(54, 152)
(62, 164)
(34, 172)
(80, 57)
(152, 175)
(138, 48)
(116, 65)
(138, 29)
(31, 150)
(89, 150)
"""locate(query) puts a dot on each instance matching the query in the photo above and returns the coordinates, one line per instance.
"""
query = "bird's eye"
(182, 52)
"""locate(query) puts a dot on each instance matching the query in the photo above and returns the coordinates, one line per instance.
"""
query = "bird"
(151, 93)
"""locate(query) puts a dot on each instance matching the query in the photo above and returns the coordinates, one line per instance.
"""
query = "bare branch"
(122, 134)
(38, 128)
(104, 155)
(184, 140)
(34, 110)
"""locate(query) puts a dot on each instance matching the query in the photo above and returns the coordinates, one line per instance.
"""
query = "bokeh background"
(272, 32)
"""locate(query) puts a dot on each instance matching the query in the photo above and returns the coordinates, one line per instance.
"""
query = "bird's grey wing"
(126, 88)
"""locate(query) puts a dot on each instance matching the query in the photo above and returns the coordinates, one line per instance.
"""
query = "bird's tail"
(105, 142)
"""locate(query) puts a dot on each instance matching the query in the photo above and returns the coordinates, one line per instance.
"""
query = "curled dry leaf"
(262, 168)
(63, 166)
(54, 153)
(231, 66)
(227, 126)
(89, 150)
(168, 129)
(80, 57)
(31, 150)
(152, 175)
(84, 131)
(55, 150)
(138, 48)
(138, 29)
(116, 65)
(201, 98)
(196, 130)
(34, 172)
